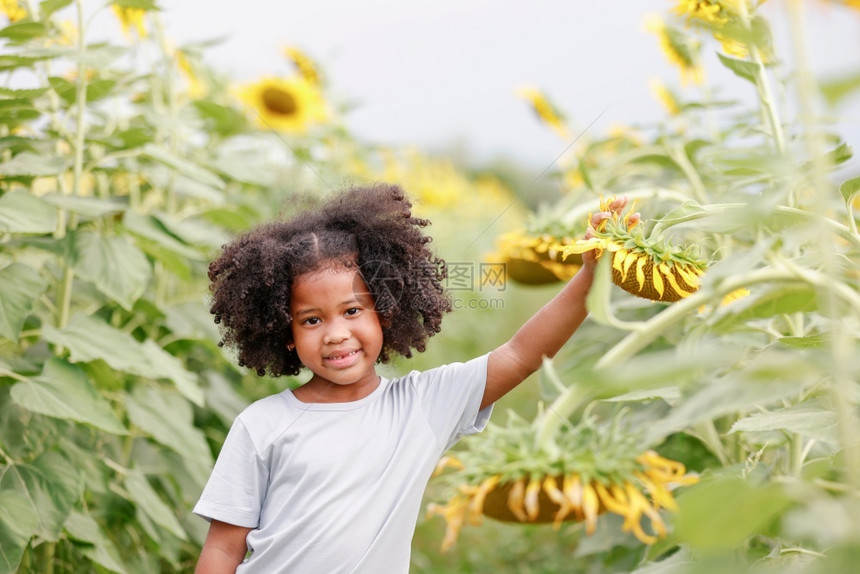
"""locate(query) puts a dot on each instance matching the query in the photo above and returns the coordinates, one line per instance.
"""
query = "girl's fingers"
(618, 204)
(598, 217)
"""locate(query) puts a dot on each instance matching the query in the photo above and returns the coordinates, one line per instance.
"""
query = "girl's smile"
(337, 335)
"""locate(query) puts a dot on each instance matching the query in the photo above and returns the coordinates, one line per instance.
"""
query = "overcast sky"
(433, 72)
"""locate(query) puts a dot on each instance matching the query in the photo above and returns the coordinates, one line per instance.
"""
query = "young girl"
(329, 478)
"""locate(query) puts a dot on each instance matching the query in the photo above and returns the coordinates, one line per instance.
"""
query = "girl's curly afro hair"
(369, 228)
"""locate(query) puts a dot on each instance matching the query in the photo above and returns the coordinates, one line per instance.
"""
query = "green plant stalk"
(169, 93)
(25, 559)
(565, 404)
(645, 333)
(795, 455)
(849, 205)
(679, 156)
(840, 341)
(765, 93)
(556, 416)
(842, 230)
(49, 549)
(65, 289)
(711, 438)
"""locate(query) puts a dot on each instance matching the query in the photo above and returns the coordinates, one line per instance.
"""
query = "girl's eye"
(353, 311)
(311, 321)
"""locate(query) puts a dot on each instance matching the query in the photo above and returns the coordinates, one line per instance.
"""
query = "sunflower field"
(703, 420)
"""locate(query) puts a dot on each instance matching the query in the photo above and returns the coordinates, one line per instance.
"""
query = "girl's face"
(337, 335)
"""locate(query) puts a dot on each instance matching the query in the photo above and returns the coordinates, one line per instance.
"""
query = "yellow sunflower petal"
(515, 500)
(555, 494)
(618, 260)
(609, 501)
(670, 277)
(572, 488)
(455, 514)
(476, 506)
(657, 282)
(640, 271)
(628, 261)
(583, 245)
(447, 462)
(530, 499)
(661, 495)
(590, 506)
(689, 277)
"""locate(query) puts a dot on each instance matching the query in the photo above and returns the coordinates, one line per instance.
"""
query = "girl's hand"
(588, 258)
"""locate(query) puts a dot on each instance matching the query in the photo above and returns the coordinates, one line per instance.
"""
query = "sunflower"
(666, 97)
(306, 67)
(289, 105)
(678, 48)
(534, 258)
(12, 10)
(545, 110)
(649, 266)
(711, 12)
(599, 469)
(131, 18)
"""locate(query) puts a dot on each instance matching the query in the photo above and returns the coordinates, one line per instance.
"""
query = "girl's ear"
(291, 346)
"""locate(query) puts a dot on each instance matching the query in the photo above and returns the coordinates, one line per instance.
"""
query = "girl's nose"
(336, 333)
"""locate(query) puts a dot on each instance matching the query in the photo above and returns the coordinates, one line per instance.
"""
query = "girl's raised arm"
(546, 331)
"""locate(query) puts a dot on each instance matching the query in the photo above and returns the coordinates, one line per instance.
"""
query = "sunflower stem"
(64, 295)
(727, 208)
(556, 416)
(654, 327)
(679, 155)
(765, 93)
(711, 438)
(828, 280)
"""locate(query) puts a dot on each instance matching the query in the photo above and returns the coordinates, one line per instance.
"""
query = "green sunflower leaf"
(836, 90)
(741, 68)
(183, 166)
(142, 4)
(148, 502)
(114, 265)
(720, 513)
(17, 525)
(21, 212)
(49, 486)
(87, 206)
(18, 32)
(31, 164)
(813, 419)
(849, 188)
(169, 419)
(64, 391)
(83, 528)
(20, 287)
(48, 7)
(90, 339)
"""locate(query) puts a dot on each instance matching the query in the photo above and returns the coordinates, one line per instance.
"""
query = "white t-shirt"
(335, 488)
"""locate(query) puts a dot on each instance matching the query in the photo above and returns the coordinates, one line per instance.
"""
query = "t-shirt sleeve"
(451, 399)
(237, 486)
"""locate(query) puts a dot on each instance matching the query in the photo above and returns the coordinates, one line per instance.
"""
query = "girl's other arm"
(223, 550)
(546, 331)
